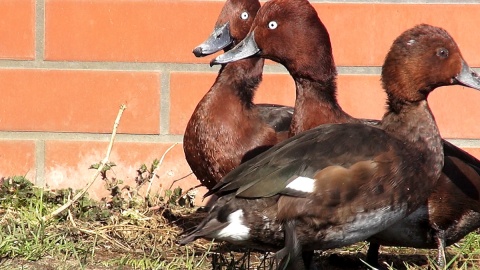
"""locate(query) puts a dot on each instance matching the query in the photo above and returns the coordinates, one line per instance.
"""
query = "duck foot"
(441, 259)
(289, 256)
(372, 255)
(307, 257)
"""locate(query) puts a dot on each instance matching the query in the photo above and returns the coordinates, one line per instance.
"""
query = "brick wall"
(66, 66)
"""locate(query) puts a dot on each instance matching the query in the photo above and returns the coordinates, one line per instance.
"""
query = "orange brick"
(454, 107)
(361, 34)
(79, 101)
(456, 111)
(67, 163)
(361, 96)
(143, 31)
(276, 89)
(17, 158)
(473, 151)
(163, 30)
(187, 89)
(17, 20)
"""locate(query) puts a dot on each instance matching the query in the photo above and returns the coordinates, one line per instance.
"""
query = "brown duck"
(226, 127)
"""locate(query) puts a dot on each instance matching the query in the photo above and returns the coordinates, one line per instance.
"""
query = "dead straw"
(97, 173)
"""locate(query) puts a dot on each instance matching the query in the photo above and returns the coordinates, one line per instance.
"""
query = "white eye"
(272, 25)
(244, 15)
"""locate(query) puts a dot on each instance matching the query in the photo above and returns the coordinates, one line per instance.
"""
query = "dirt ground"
(159, 230)
(338, 259)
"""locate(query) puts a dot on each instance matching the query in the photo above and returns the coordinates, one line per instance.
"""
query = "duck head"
(420, 60)
(231, 27)
(288, 32)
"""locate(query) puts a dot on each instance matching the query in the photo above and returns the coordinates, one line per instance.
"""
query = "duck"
(337, 184)
(451, 212)
(316, 104)
(310, 63)
(226, 127)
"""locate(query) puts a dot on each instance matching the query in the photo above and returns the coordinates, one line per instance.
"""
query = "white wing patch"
(302, 184)
(411, 42)
(236, 230)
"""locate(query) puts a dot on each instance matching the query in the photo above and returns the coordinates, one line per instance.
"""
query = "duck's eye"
(244, 15)
(442, 53)
(272, 25)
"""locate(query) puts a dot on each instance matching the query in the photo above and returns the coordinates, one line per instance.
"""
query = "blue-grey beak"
(468, 77)
(218, 40)
(246, 48)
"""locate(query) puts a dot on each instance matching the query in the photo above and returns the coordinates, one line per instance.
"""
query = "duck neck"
(316, 104)
(240, 79)
(414, 123)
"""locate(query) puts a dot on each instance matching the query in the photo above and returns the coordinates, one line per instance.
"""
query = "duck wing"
(277, 116)
(328, 151)
(264, 164)
(453, 151)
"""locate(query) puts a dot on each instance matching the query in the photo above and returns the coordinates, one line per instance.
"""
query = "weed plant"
(133, 231)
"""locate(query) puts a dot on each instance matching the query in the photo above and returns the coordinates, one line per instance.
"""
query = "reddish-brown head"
(239, 14)
(291, 33)
(422, 59)
(231, 27)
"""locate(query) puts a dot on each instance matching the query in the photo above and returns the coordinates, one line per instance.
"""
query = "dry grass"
(128, 231)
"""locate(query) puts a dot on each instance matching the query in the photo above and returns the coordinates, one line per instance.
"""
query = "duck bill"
(468, 77)
(246, 48)
(218, 40)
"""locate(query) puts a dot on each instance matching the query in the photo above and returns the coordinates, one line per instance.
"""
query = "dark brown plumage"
(451, 211)
(226, 127)
(316, 104)
(376, 170)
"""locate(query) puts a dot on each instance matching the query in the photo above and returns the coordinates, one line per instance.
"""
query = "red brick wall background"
(66, 66)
